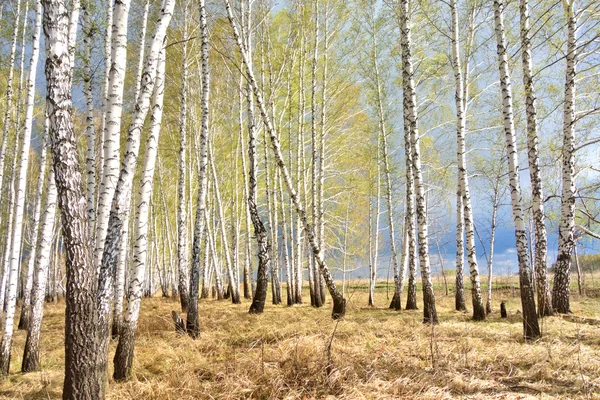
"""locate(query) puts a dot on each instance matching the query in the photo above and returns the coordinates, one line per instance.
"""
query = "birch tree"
(339, 306)
(192, 323)
(182, 246)
(531, 328)
(123, 190)
(81, 372)
(114, 110)
(15, 256)
(537, 197)
(562, 270)
(463, 178)
(31, 353)
(124, 353)
(411, 124)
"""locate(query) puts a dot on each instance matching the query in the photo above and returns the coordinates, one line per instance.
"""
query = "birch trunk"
(124, 353)
(375, 249)
(488, 304)
(459, 295)
(182, 245)
(5, 135)
(81, 372)
(15, 255)
(31, 354)
(318, 301)
(90, 131)
(192, 323)
(107, 66)
(530, 322)
(25, 317)
(322, 132)
(247, 261)
(463, 177)
(566, 241)
(112, 132)
(235, 292)
(260, 231)
(119, 278)
(411, 123)
(339, 307)
(537, 197)
(122, 197)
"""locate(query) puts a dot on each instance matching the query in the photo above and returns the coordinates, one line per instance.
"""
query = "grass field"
(374, 353)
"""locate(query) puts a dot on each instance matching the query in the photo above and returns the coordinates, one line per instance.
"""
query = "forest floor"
(373, 353)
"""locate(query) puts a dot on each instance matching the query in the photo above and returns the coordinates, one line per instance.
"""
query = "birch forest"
(354, 199)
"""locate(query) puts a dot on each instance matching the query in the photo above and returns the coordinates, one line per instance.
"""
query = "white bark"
(15, 254)
(193, 326)
(182, 245)
(537, 196)
(140, 255)
(530, 323)
(112, 132)
(26, 305)
(411, 123)
(566, 241)
(6, 126)
(339, 301)
(122, 196)
(38, 292)
(463, 177)
(90, 132)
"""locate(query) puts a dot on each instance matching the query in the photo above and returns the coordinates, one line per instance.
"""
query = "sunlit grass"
(375, 353)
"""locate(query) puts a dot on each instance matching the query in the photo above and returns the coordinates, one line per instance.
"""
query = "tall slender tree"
(562, 270)
(411, 124)
(531, 329)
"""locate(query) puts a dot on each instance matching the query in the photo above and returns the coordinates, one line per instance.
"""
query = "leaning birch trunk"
(122, 196)
(112, 135)
(182, 245)
(124, 353)
(531, 328)
(562, 274)
(537, 197)
(410, 116)
(81, 372)
(26, 304)
(463, 177)
(31, 354)
(339, 303)
(15, 255)
(192, 323)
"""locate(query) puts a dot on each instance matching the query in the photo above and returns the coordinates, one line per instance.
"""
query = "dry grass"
(375, 354)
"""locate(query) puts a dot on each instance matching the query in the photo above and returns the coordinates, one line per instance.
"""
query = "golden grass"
(375, 354)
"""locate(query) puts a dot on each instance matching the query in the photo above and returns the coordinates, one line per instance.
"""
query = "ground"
(373, 353)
